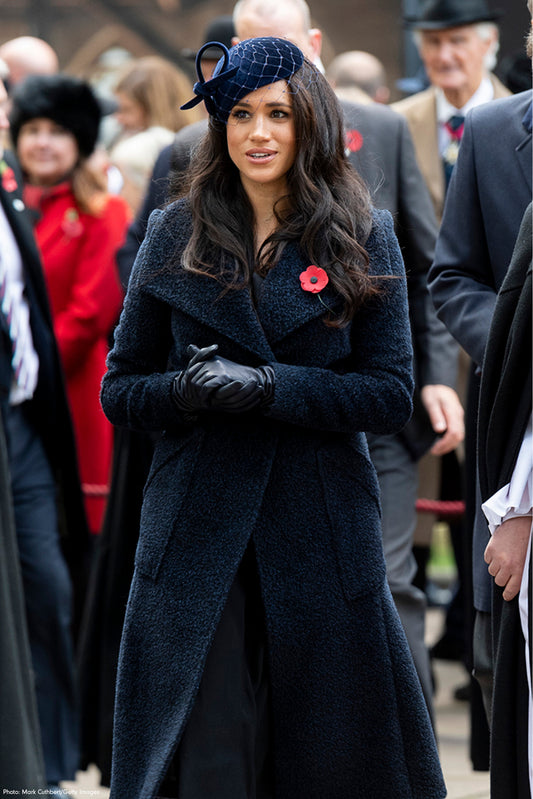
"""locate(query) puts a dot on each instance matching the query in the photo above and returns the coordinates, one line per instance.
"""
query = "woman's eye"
(279, 113)
(240, 113)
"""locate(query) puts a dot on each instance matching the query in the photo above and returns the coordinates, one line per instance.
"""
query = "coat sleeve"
(136, 389)
(460, 280)
(375, 393)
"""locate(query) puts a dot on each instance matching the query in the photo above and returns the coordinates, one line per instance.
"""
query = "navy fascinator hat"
(244, 68)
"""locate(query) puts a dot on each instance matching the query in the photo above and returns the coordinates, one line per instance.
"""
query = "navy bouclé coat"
(348, 715)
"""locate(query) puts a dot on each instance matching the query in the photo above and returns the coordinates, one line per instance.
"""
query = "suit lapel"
(523, 148)
(423, 125)
(523, 154)
(283, 306)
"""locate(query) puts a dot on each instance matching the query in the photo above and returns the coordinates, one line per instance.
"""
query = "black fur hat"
(62, 98)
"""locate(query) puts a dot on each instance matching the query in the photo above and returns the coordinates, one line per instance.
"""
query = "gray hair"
(270, 8)
(485, 31)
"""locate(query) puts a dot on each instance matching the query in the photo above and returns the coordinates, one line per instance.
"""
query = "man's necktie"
(17, 316)
(455, 126)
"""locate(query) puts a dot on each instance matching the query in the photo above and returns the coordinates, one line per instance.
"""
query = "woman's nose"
(260, 128)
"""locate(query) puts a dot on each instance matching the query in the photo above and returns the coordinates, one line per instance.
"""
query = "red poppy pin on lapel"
(314, 279)
(354, 141)
(9, 182)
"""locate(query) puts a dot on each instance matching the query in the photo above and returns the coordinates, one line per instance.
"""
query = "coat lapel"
(19, 221)
(283, 306)
(523, 148)
(422, 120)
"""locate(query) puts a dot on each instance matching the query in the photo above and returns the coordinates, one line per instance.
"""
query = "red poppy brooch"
(314, 279)
(354, 141)
(71, 224)
(7, 176)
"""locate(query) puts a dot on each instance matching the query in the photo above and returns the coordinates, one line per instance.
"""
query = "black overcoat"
(49, 408)
(504, 412)
(348, 715)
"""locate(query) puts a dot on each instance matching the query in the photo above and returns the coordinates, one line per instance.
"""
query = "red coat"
(78, 252)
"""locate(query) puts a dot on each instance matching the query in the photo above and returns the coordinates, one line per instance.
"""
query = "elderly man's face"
(454, 58)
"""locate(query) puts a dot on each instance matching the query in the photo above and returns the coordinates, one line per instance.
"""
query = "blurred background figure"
(489, 192)
(458, 43)
(43, 491)
(219, 30)
(79, 227)
(178, 151)
(358, 76)
(23, 56)
(515, 72)
(21, 759)
(149, 92)
(27, 55)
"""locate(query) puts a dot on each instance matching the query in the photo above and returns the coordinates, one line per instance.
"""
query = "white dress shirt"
(11, 262)
(445, 110)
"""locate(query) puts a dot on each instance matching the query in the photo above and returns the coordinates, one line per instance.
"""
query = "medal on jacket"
(451, 152)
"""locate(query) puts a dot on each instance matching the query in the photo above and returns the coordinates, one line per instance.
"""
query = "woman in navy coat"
(264, 331)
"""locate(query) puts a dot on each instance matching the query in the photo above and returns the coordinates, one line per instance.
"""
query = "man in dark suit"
(505, 464)
(42, 474)
(488, 194)
(21, 763)
(379, 147)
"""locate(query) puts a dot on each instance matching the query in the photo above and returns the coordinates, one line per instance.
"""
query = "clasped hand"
(506, 553)
(210, 382)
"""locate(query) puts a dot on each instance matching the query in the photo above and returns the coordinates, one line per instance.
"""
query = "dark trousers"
(47, 592)
(398, 482)
(226, 748)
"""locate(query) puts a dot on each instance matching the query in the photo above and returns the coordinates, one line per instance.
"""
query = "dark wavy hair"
(327, 209)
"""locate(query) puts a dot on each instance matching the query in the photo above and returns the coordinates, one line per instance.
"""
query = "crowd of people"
(238, 336)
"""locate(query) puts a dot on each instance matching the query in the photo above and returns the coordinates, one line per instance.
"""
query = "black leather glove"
(237, 388)
(214, 383)
(190, 391)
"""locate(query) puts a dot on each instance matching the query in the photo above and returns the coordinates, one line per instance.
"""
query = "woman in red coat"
(79, 228)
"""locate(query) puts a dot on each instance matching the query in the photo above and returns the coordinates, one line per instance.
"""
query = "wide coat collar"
(283, 306)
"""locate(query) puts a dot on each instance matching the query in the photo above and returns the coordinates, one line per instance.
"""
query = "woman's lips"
(260, 156)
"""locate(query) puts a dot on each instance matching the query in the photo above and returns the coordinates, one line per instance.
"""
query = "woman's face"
(130, 115)
(47, 152)
(261, 137)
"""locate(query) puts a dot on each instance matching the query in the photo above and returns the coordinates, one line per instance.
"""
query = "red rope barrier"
(91, 490)
(443, 508)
